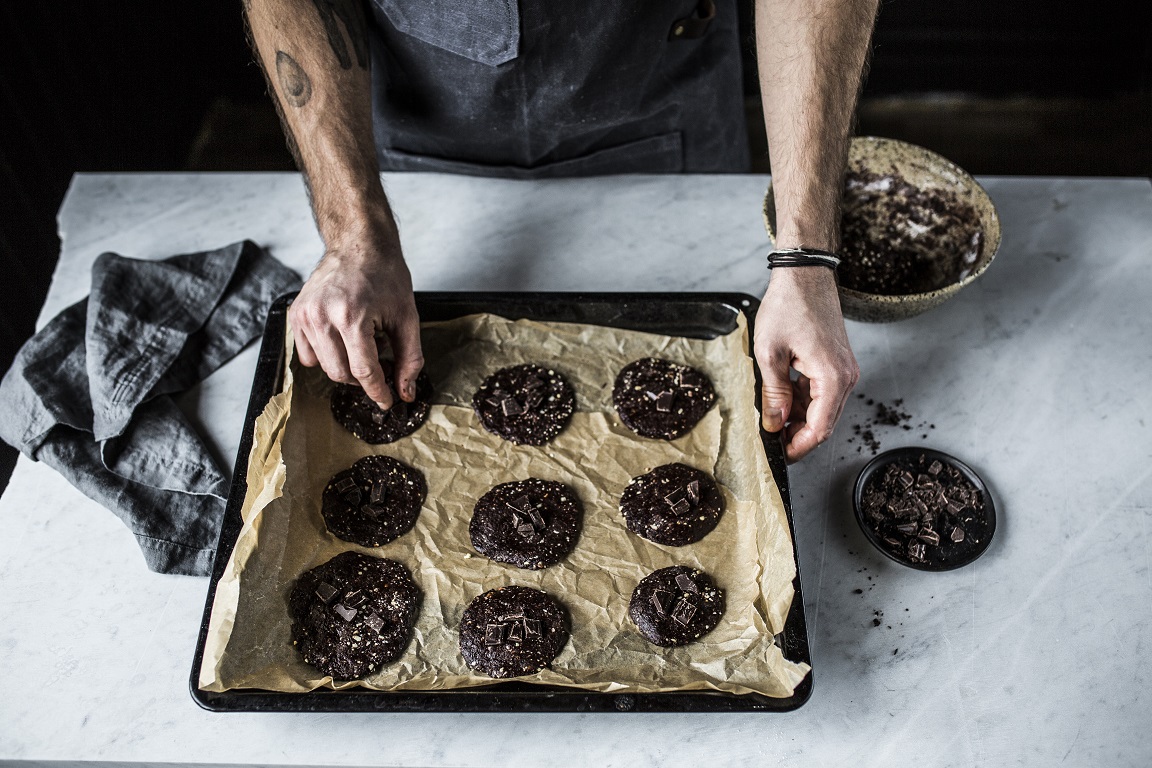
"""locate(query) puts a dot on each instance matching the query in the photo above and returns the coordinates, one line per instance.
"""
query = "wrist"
(361, 223)
(804, 278)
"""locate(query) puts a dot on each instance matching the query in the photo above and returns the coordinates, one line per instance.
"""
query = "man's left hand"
(799, 326)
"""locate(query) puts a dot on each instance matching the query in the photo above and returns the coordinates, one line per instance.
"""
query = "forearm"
(315, 56)
(811, 56)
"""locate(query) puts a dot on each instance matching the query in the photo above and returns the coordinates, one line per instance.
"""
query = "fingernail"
(772, 421)
(381, 406)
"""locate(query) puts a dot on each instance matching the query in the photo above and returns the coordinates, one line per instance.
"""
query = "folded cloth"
(90, 394)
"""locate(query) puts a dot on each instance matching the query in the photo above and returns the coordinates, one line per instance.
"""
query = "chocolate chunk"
(379, 493)
(536, 518)
(662, 599)
(374, 622)
(354, 598)
(494, 634)
(509, 407)
(344, 611)
(516, 632)
(665, 402)
(526, 530)
(685, 583)
(693, 490)
(374, 511)
(353, 497)
(935, 467)
(683, 612)
(346, 484)
(957, 534)
(929, 536)
(326, 592)
(531, 627)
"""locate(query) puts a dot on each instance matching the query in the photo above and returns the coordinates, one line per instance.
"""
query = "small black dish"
(948, 554)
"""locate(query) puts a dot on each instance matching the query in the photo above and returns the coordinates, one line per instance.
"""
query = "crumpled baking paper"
(299, 446)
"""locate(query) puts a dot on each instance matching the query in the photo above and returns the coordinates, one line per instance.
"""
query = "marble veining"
(1037, 654)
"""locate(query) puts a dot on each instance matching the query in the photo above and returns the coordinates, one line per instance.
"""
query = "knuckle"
(365, 372)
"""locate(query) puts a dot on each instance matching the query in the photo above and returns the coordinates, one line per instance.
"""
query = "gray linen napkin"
(90, 394)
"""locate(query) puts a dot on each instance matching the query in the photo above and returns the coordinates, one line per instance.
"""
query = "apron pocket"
(486, 31)
(655, 154)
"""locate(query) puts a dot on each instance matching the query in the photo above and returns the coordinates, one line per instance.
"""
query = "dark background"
(1000, 87)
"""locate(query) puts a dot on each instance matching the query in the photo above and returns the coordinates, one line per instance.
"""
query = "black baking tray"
(693, 315)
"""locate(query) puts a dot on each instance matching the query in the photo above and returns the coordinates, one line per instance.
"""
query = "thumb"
(776, 392)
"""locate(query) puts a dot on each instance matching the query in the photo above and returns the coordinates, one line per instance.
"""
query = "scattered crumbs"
(857, 591)
(875, 622)
(894, 650)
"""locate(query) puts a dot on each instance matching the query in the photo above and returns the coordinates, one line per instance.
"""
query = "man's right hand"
(360, 290)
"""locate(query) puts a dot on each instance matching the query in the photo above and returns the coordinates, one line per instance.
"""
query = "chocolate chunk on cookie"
(374, 501)
(356, 412)
(512, 631)
(676, 605)
(526, 404)
(673, 504)
(529, 523)
(661, 399)
(353, 614)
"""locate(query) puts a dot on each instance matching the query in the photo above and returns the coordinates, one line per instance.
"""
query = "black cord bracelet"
(802, 257)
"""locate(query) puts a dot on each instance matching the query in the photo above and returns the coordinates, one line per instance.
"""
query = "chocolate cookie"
(661, 399)
(526, 404)
(512, 631)
(529, 523)
(676, 605)
(374, 501)
(673, 505)
(353, 614)
(356, 412)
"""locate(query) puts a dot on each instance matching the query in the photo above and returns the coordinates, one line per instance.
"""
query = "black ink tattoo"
(351, 12)
(294, 81)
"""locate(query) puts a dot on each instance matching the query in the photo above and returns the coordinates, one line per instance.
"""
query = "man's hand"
(360, 289)
(799, 326)
(315, 55)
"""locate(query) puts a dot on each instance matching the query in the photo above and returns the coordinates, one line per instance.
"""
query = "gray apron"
(548, 88)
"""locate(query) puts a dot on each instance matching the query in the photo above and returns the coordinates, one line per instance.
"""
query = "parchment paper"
(299, 446)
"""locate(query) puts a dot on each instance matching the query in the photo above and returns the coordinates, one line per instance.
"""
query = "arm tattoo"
(294, 81)
(351, 12)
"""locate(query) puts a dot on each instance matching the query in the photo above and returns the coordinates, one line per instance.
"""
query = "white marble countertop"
(1037, 654)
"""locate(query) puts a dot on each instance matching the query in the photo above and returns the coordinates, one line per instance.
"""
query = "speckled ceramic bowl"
(926, 170)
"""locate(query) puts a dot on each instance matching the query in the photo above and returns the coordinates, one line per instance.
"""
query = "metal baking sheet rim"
(666, 313)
